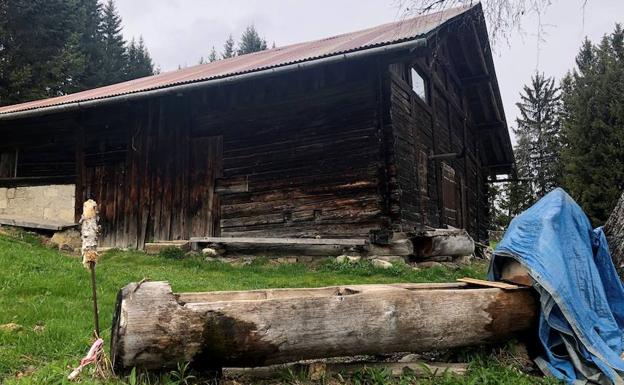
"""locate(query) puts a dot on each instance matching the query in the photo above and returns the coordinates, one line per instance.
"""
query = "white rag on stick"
(91, 356)
(89, 230)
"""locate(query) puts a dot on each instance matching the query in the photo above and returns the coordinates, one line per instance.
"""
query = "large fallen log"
(155, 328)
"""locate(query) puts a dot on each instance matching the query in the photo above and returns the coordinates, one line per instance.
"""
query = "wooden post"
(89, 234)
(154, 328)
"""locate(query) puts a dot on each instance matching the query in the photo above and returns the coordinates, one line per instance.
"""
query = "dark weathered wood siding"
(334, 151)
(297, 155)
(301, 153)
(434, 192)
(44, 151)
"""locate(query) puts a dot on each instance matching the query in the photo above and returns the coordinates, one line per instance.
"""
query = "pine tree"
(39, 55)
(228, 48)
(114, 62)
(213, 55)
(91, 44)
(538, 133)
(138, 61)
(54, 47)
(593, 126)
(251, 41)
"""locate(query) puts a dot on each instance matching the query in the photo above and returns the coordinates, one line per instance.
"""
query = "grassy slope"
(42, 287)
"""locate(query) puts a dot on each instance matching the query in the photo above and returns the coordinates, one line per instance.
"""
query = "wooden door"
(449, 195)
(205, 168)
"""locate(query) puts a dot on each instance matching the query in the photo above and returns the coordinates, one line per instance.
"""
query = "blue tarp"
(582, 299)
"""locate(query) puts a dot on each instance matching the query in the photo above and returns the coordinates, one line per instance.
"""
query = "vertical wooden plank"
(179, 128)
(79, 196)
(112, 186)
(215, 211)
(158, 171)
(125, 183)
(147, 174)
(206, 167)
(135, 150)
(186, 126)
(168, 155)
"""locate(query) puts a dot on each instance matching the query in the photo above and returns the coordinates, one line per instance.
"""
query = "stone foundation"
(54, 202)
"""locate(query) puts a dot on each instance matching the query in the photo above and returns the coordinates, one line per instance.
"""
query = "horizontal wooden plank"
(415, 368)
(281, 241)
(37, 180)
(41, 224)
(481, 282)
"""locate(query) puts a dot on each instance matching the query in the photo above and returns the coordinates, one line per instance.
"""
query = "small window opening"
(418, 85)
(8, 163)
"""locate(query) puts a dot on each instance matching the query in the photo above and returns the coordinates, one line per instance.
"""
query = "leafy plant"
(183, 375)
(373, 376)
(172, 252)
(132, 377)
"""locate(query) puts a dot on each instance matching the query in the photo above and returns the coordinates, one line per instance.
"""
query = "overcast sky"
(179, 32)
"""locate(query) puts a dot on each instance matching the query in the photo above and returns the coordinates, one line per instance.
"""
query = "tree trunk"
(154, 328)
(614, 230)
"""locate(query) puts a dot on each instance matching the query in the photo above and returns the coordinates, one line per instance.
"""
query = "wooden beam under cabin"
(39, 224)
(281, 241)
(37, 180)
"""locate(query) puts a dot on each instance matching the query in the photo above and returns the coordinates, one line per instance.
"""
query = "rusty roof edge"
(409, 44)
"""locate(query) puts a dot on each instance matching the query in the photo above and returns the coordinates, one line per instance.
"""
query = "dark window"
(8, 162)
(419, 85)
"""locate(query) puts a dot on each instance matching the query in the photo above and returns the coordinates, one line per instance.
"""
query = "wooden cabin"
(391, 129)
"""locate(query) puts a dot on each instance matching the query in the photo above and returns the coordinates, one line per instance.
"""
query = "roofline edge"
(411, 44)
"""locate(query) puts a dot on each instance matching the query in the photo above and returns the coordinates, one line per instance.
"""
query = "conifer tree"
(593, 126)
(39, 56)
(139, 63)
(228, 48)
(213, 55)
(251, 41)
(114, 62)
(54, 47)
(538, 134)
(91, 44)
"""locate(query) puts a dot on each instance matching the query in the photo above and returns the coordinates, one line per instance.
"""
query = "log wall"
(299, 156)
(301, 153)
(333, 151)
(434, 192)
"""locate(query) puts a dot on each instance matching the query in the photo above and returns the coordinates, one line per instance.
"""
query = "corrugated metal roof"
(386, 34)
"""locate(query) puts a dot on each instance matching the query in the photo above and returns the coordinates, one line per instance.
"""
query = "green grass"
(48, 294)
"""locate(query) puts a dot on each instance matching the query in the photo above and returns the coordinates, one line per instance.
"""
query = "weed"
(372, 376)
(172, 252)
(182, 376)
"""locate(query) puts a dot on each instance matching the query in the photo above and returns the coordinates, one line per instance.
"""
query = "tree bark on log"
(614, 230)
(154, 328)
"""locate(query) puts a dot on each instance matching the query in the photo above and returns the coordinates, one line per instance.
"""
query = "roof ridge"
(384, 34)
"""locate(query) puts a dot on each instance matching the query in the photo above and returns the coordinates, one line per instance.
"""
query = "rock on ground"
(12, 327)
(381, 264)
(67, 240)
(344, 258)
(428, 264)
(210, 252)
